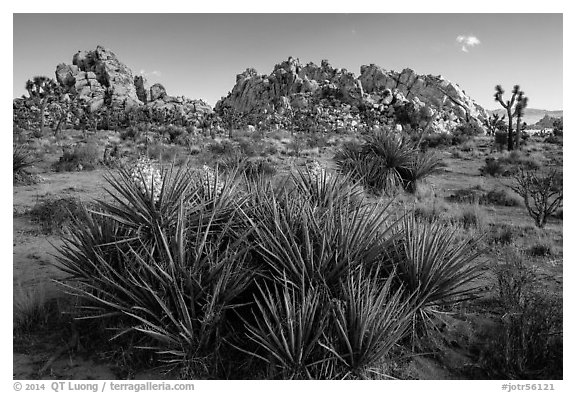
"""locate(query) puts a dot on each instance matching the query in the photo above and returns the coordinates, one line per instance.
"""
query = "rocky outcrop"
(291, 85)
(289, 80)
(142, 89)
(110, 73)
(100, 80)
(434, 91)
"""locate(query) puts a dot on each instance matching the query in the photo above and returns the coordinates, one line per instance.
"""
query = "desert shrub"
(258, 168)
(493, 167)
(476, 195)
(501, 234)
(465, 133)
(468, 195)
(224, 147)
(162, 152)
(248, 147)
(542, 194)
(132, 132)
(184, 140)
(541, 248)
(30, 307)
(500, 198)
(270, 150)
(509, 164)
(56, 215)
(252, 168)
(386, 161)
(553, 139)
(529, 344)
(296, 145)
(470, 216)
(318, 140)
(174, 132)
(113, 156)
(467, 146)
(430, 210)
(434, 140)
(501, 139)
(84, 156)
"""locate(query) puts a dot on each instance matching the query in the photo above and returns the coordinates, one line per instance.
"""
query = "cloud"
(467, 42)
(153, 73)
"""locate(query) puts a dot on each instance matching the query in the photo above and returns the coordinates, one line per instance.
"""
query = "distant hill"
(532, 115)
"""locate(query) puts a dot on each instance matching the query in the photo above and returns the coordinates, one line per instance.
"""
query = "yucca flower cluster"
(147, 177)
(210, 183)
(317, 172)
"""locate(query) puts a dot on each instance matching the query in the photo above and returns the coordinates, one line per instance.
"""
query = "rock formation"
(291, 85)
(99, 79)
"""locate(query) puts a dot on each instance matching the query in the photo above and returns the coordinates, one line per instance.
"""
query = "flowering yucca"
(317, 172)
(147, 177)
(209, 181)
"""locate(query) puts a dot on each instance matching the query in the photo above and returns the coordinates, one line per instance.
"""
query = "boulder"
(66, 75)
(157, 92)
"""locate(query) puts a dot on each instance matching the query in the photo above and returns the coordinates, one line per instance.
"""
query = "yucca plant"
(287, 328)
(314, 246)
(386, 161)
(366, 323)
(434, 267)
(393, 152)
(170, 269)
(21, 158)
(324, 189)
(422, 165)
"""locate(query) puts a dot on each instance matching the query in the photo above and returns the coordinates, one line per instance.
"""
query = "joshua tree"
(495, 123)
(517, 99)
(522, 103)
(42, 90)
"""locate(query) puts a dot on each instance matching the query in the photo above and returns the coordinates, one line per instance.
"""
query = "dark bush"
(433, 140)
(493, 167)
(501, 139)
(224, 147)
(82, 157)
(56, 215)
(528, 345)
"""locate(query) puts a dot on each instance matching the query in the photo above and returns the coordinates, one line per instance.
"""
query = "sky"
(199, 55)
